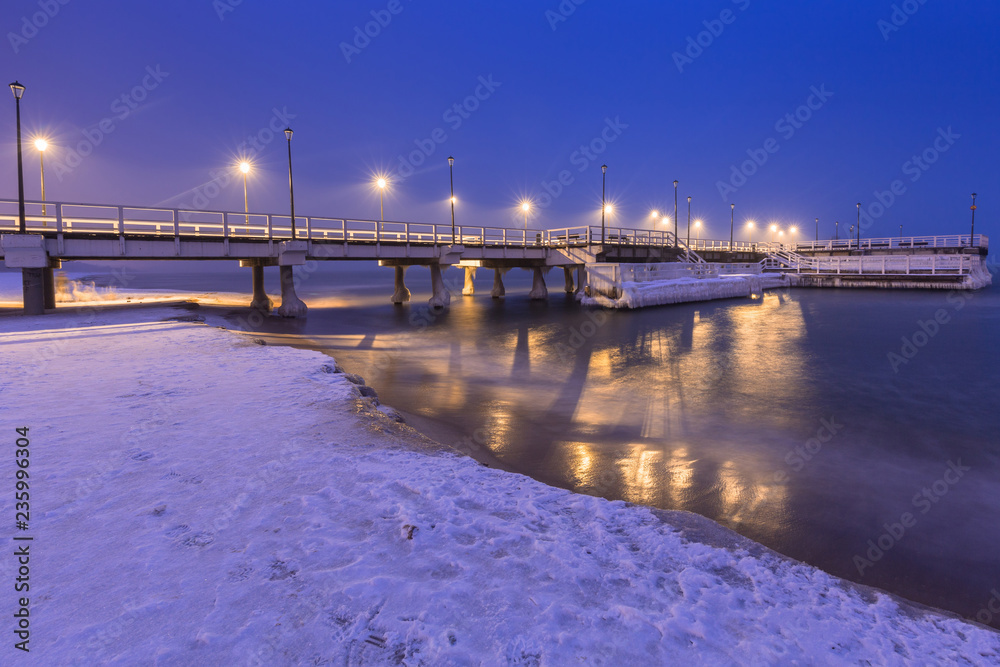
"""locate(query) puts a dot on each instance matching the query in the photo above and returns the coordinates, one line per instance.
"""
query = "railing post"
(121, 228)
(308, 228)
(270, 227)
(59, 229)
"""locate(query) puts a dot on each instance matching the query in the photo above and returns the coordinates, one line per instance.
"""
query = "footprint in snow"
(239, 573)
(279, 571)
(179, 530)
(199, 540)
(142, 456)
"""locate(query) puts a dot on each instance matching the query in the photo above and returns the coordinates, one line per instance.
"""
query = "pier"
(58, 232)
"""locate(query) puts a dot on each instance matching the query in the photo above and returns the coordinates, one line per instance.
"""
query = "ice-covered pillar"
(260, 300)
(291, 304)
(470, 286)
(538, 289)
(401, 295)
(441, 297)
(568, 274)
(33, 290)
(498, 290)
(581, 277)
(49, 287)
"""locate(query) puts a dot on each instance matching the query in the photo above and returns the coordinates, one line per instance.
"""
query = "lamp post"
(859, 226)
(851, 242)
(750, 232)
(791, 233)
(40, 146)
(291, 188)
(972, 231)
(817, 229)
(381, 183)
(732, 222)
(836, 230)
(451, 172)
(697, 227)
(654, 216)
(18, 91)
(689, 222)
(245, 169)
(774, 228)
(901, 231)
(526, 207)
(604, 205)
(675, 214)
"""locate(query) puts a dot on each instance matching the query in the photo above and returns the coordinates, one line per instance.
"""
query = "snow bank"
(198, 498)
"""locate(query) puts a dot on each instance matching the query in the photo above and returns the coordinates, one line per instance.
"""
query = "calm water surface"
(782, 418)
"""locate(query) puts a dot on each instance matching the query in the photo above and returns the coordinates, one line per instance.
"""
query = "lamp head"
(525, 206)
(381, 183)
(17, 89)
(654, 215)
(41, 145)
(604, 168)
(675, 183)
(697, 223)
(245, 167)
(689, 200)
(793, 230)
(288, 133)
(609, 209)
(451, 162)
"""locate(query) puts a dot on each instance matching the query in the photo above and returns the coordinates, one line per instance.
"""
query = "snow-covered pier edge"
(235, 503)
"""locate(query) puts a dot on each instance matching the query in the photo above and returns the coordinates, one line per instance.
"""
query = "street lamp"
(451, 172)
(40, 146)
(697, 227)
(774, 228)
(817, 229)
(750, 232)
(836, 230)
(18, 91)
(604, 206)
(291, 189)
(689, 222)
(526, 207)
(972, 231)
(381, 183)
(245, 169)
(901, 231)
(859, 226)
(732, 221)
(791, 232)
(675, 214)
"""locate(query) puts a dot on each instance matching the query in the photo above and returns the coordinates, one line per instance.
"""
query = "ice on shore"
(683, 290)
(201, 499)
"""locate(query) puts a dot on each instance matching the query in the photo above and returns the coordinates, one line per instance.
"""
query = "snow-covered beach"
(198, 497)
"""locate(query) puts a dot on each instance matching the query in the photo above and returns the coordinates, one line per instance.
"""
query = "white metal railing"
(88, 219)
(904, 265)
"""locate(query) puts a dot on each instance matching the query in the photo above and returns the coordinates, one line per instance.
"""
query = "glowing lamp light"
(793, 230)
(453, 200)
(525, 206)
(381, 183)
(654, 215)
(774, 228)
(750, 224)
(609, 209)
(41, 145)
(245, 167)
(697, 223)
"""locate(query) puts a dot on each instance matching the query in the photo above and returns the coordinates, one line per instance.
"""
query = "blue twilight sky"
(146, 103)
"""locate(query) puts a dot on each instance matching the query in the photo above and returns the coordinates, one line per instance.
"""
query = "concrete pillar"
(470, 286)
(49, 288)
(260, 300)
(32, 283)
(291, 305)
(581, 277)
(568, 274)
(441, 297)
(538, 289)
(498, 290)
(401, 295)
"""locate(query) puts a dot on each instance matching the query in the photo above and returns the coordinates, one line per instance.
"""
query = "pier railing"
(902, 265)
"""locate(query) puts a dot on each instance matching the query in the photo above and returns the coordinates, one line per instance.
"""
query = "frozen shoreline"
(227, 501)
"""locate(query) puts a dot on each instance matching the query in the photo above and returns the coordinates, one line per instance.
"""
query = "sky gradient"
(149, 103)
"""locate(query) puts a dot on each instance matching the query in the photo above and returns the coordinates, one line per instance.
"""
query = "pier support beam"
(470, 286)
(441, 297)
(581, 278)
(49, 287)
(498, 289)
(538, 289)
(401, 295)
(260, 300)
(291, 304)
(33, 289)
(568, 274)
